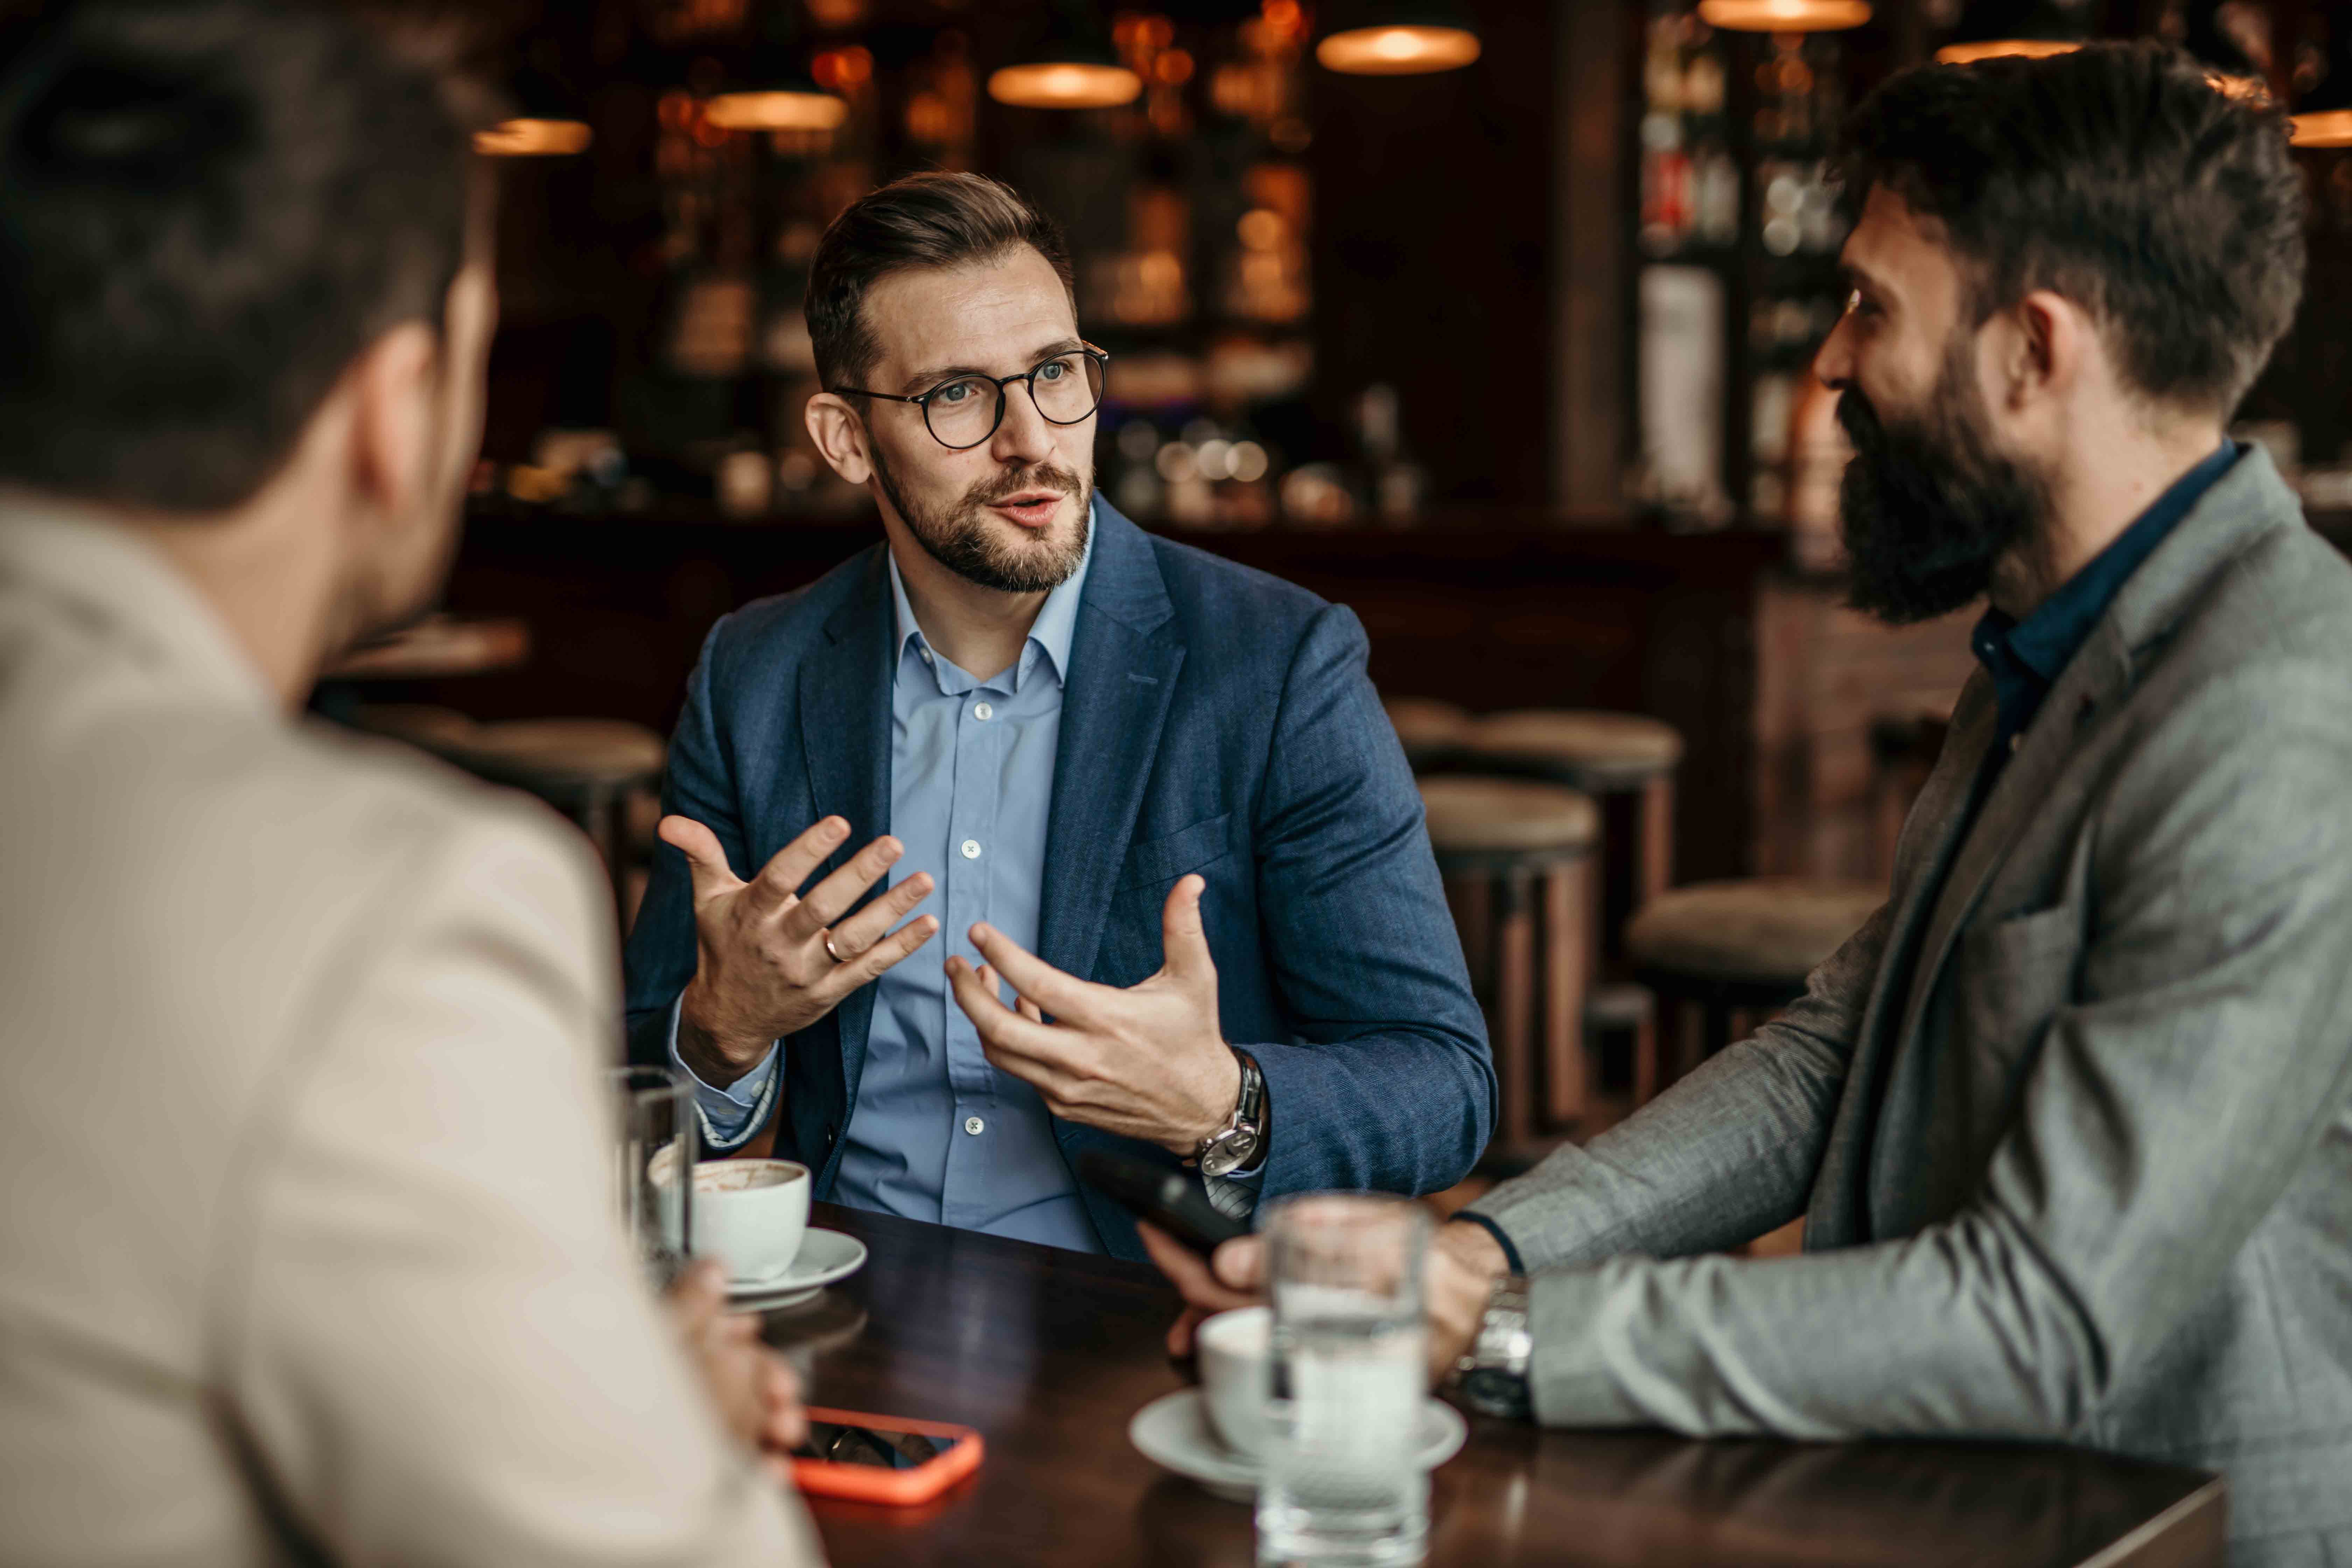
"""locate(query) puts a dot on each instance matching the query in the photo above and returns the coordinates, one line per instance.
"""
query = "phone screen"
(883, 1448)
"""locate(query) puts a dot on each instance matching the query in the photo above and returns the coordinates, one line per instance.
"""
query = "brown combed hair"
(2119, 176)
(921, 220)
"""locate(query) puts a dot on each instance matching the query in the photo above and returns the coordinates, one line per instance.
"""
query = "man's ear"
(2047, 345)
(839, 432)
(393, 386)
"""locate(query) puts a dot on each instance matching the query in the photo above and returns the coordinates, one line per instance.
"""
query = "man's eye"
(1052, 371)
(955, 394)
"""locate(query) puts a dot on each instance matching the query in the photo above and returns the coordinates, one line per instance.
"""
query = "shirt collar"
(2046, 640)
(1050, 637)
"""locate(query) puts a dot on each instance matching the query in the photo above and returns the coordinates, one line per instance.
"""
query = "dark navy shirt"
(2025, 657)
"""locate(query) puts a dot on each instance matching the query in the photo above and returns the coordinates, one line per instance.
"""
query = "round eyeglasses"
(962, 413)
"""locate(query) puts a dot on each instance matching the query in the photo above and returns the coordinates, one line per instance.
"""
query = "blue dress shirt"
(2026, 657)
(938, 1133)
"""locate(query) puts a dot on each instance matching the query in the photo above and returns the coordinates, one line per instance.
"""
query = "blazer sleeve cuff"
(1580, 1374)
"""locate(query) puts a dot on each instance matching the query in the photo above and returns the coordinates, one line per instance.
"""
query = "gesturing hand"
(1150, 1062)
(762, 970)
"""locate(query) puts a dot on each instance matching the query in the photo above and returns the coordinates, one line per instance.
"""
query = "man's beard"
(1927, 505)
(959, 539)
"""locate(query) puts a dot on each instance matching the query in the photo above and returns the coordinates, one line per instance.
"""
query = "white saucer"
(1173, 1431)
(825, 1256)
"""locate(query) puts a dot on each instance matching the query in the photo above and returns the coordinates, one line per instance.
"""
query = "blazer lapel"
(1938, 821)
(1123, 665)
(845, 707)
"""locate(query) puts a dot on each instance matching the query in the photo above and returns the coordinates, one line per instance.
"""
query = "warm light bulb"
(2002, 48)
(2328, 128)
(1784, 15)
(775, 111)
(1397, 51)
(534, 139)
(1064, 84)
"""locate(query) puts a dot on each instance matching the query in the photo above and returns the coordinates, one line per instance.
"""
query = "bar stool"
(1598, 754)
(1518, 859)
(1432, 731)
(1728, 948)
(588, 769)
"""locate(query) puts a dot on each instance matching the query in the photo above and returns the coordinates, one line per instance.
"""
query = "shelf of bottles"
(1737, 235)
(1189, 213)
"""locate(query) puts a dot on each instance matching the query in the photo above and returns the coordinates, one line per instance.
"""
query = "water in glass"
(1351, 1376)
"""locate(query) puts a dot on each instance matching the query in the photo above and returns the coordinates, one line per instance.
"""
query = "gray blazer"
(2069, 1119)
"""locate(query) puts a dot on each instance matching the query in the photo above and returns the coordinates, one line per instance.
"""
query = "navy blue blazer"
(1216, 720)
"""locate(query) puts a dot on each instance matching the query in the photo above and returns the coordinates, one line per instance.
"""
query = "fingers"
(999, 1027)
(883, 954)
(706, 862)
(698, 1298)
(1022, 1004)
(780, 1390)
(1240, 1265)
(870, 924)
(788, 867)
(834, 898)
(1191, 1275)
(1061, 994)
(1182, 940)
(1180, 1331)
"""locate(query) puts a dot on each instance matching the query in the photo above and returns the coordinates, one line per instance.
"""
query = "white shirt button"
(974, 1125)
(982, 710)
(972, 849)
(925, 652)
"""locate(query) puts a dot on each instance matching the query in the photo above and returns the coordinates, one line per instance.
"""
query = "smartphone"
(1172, 1200)
(883, 1458)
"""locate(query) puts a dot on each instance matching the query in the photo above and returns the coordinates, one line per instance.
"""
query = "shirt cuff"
(727, 1113)
(1234, 1193)
(1510, 1253)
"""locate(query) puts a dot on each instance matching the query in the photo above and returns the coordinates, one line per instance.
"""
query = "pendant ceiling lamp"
(1784, 15)
(1398, 37)
(768, 86)
(2324, 118)
(2034, 29)
(546, 123)
(1070, 64)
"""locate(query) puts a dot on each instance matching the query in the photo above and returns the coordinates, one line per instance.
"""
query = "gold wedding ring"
(834, 951)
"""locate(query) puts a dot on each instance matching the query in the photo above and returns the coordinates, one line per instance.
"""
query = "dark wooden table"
(1047, 1354)
(437, 649)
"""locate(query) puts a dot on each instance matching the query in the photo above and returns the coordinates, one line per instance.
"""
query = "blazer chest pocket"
(2016, 973)
(1172, 854)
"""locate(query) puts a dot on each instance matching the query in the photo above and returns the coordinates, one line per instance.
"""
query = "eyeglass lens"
(964, 413)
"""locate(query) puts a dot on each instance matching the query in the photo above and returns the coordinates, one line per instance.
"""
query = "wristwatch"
(1236, 1143)
(1492, 1374)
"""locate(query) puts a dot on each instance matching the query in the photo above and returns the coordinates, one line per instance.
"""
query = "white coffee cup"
(1234, 1352)
(750, 1215)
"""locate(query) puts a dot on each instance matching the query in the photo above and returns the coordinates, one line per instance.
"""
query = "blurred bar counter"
(1770, 682)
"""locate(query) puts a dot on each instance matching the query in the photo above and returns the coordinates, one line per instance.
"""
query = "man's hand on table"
(762, 967)
(757, 1393)
(1465, 1262)
(1150, 1062)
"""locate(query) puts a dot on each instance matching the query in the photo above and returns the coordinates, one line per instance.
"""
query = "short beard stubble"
(1927, 506)
(958, 537)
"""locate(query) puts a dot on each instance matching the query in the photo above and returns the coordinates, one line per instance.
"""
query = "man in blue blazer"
(1190, 905)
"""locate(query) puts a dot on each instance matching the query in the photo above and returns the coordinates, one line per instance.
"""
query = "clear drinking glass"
(654, 1171)
(1351, 1373)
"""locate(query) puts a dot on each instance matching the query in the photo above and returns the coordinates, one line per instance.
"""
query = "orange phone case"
(865, 1483)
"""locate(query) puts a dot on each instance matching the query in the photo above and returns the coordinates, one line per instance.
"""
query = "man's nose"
(1023, 434)
(1834, 361)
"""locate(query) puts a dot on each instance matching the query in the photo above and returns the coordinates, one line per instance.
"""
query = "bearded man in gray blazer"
(2067, 1120)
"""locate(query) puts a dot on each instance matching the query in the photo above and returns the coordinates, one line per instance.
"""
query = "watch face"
(1230, 1153)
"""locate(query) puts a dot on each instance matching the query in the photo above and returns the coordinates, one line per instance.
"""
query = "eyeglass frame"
(1004, 399)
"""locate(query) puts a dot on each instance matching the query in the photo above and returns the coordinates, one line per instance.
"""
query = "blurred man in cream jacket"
(281, 1278)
